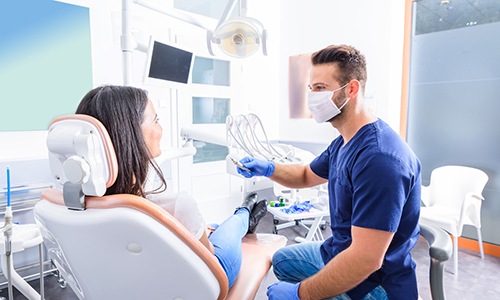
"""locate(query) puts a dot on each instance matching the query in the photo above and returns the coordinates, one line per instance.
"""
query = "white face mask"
(321, 105)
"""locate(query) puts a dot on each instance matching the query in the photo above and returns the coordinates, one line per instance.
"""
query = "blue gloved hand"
(257, 167)
(283, 291)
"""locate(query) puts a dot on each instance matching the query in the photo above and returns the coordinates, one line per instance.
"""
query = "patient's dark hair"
(121, 110)
(350, 62)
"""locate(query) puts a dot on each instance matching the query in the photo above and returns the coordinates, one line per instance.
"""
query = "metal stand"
(314, 219)
(23, 236)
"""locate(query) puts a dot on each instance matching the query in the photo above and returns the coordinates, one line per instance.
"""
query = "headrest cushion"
(81, 152)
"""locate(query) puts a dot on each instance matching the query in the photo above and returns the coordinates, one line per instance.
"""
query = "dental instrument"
(239, 165)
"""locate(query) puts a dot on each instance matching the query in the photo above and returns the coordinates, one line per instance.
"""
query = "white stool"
(23, 236)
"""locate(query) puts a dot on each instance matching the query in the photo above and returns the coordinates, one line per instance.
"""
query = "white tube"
(211, 135)
(175, 153)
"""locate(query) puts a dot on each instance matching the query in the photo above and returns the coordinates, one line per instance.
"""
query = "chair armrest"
(476, 196)
(425, 195)
(470, 212)
(440, 249)
(440, 245)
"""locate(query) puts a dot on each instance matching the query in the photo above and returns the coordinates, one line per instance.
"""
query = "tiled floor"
(478, 279)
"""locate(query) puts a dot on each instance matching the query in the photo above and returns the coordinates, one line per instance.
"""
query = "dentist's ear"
(354, 87)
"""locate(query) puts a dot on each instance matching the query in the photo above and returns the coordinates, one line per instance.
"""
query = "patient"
(132, 123)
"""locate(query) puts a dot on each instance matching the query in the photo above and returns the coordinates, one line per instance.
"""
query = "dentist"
(374, 195)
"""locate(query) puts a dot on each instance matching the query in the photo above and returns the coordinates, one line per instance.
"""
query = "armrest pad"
(258, 250)
(440, 246)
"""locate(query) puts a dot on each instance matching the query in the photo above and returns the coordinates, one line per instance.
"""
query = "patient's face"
(151, 130)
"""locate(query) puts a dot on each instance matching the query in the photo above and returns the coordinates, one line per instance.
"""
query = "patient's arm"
(204, 240)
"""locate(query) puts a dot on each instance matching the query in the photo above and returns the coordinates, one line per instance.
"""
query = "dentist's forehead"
(323, 74)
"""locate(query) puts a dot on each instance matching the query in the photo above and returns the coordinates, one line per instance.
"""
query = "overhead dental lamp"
(237, 37)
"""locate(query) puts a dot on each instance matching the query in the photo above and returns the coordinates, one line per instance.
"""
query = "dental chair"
(124, 246)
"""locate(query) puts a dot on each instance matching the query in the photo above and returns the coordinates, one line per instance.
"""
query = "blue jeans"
(297, 262)
(227, 242)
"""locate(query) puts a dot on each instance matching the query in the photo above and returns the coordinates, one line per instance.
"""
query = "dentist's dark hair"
(121, 109)
(351, 62)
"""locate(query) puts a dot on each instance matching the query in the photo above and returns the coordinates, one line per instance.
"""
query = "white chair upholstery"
(453, 199)
(125, 246)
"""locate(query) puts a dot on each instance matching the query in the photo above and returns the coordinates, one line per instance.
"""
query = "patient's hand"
(209, 230)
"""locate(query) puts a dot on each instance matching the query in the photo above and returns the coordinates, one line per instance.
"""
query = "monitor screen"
(167, 62)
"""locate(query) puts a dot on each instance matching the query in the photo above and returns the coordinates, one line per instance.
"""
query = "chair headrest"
(81, 157)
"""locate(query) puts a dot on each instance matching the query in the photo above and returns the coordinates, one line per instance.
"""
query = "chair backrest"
(440, 249)
(450, 184)
(116, 246)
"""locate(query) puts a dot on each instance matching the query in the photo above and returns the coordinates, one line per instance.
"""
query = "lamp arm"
(210, 39)
(243, 8)
(264, 42)
(229, 8)
(127, 43)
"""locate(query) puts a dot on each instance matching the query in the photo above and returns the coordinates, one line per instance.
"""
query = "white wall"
(297, 27)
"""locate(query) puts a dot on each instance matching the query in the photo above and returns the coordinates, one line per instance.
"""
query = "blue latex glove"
(257, 167)
(283, 291)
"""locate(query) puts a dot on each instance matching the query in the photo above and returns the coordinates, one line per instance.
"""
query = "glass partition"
(207, 152)
(210, 110)
(211, 105)
(211, 71)
(453, 93)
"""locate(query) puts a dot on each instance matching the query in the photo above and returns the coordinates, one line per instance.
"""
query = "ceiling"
(439, 15)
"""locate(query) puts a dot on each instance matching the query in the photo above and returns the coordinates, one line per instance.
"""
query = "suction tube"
(8, 236)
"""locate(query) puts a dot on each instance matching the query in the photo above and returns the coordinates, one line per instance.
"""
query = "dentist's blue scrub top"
(374, 182)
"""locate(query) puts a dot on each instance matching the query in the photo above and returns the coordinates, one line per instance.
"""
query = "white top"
(184, 208)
